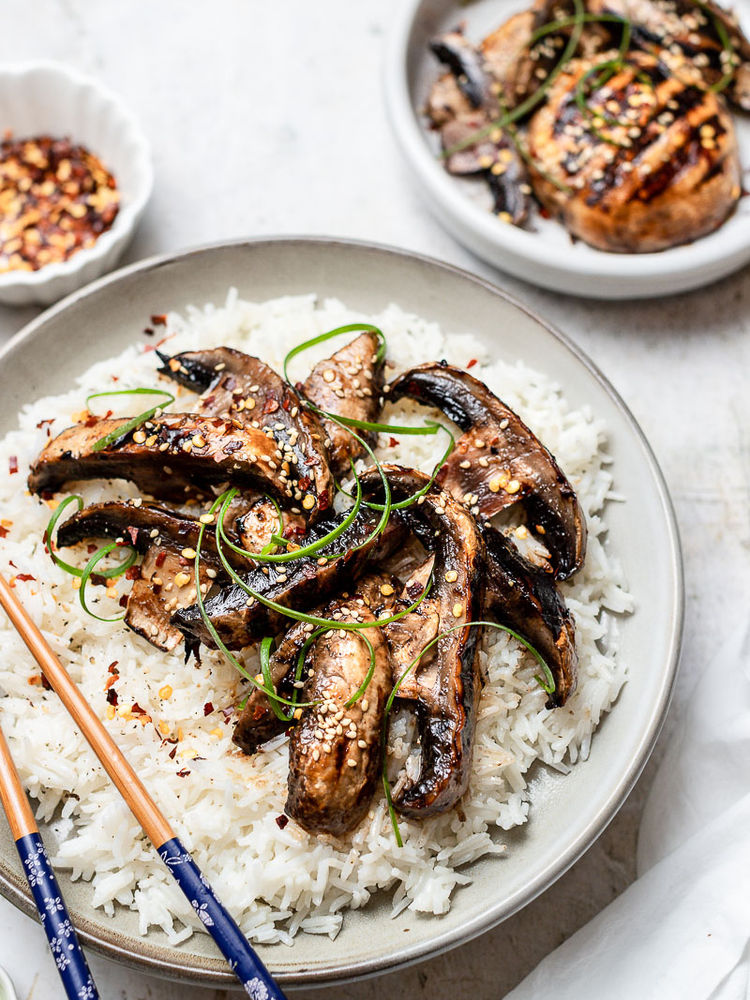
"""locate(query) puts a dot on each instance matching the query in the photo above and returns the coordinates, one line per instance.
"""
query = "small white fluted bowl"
(46, 98)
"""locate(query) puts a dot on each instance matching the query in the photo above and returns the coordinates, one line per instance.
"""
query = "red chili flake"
(281, 821)
(45, 423)
(293, 531)
(132, 572)
(270, 406)
(231, 446)
(208, 708)
(148, 332)
(183, 773)
(208, 400)
(25, 577)
(472, 363)
(115, 378)
(3, 532)
(304, 482)
(112, 697)
(137, 710)
(112, 668)
(159, 320)
(91, 548)
(123, 602)
(13, 464)
(110, 681)
(172, 752)
(393, 442)
(161, 556)
(133, 533)
(286, 404)
(544, 212)
(157, 345)
(11, 563)
(46, 684)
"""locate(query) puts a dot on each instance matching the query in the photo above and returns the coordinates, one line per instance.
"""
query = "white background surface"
(269, 119)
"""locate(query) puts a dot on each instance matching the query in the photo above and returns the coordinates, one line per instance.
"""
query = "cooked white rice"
(224, 805)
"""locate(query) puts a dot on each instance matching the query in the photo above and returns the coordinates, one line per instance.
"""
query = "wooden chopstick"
(221, 926)
(63, 941)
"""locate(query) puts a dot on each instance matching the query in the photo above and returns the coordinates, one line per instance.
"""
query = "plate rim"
(668, 272)
(180, 970)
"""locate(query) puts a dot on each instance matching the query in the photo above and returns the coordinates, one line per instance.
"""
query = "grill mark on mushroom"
(669, 175)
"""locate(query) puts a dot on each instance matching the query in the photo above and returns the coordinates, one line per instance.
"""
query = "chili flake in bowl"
(75, 177)
(56, 198)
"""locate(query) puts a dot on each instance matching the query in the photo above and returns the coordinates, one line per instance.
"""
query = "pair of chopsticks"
(233, 944)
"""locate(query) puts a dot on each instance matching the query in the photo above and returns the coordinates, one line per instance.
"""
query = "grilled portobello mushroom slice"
(335, 750)
(300, 584)
(498, 461)
(166, 579)
(258, 723)
(448, 688)
(686, 33)
(348, 384)
(176, 456)
(245, 390)
(528, 601)
(658, 168)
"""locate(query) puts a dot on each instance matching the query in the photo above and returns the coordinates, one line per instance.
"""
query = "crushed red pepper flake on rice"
(56, 198)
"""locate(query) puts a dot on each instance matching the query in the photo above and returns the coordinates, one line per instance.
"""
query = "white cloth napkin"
(681, 931)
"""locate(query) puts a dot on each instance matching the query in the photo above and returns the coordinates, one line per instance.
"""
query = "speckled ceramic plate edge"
(104, 937)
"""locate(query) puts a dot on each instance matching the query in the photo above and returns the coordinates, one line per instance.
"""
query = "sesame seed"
(351, 763)
(329, 375)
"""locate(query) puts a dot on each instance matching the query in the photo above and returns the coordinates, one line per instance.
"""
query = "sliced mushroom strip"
(449, 686)
(245, 390)
(529, 602)
(498, 461)
(166, 583)
(178, 456)
(300, 584)
(335, 751)
(140, 524)
(166, 577)
(348, 384)
(258, 723)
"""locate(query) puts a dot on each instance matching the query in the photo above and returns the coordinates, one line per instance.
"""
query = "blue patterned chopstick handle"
(235, 947)
(63, 941)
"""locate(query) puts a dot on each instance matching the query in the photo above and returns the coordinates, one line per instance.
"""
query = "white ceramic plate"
(568, 813)
(546, 257)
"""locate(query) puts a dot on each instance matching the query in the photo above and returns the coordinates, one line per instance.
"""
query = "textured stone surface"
(268, 118)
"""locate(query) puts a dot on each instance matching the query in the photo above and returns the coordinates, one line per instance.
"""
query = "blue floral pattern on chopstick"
(221, 926)
(63, 940)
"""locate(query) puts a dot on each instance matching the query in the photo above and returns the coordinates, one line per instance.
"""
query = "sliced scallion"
(129, 425)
